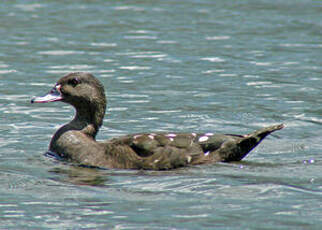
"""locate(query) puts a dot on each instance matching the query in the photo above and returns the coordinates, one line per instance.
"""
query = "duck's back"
(162, 151)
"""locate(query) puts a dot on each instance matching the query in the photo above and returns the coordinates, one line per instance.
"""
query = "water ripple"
(29, 7)
(60, 52)
(216, 38)
(213, 59)
(135, 67)
(103, 44)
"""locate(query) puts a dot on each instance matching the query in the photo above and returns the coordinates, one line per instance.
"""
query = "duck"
(76, 141)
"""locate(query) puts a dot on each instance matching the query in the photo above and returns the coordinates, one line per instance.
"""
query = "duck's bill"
(53, 95)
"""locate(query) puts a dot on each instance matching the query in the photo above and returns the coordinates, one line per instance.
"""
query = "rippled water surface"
(220, 66)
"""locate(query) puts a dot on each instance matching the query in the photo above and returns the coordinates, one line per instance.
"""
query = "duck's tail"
(237, 149)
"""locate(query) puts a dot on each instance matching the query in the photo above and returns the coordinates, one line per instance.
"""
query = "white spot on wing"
(151, 136)
(209, 134)
(207, 153)
(189, 159)
(203, 138)
(171, 139)
(136, 136)
(171, 135)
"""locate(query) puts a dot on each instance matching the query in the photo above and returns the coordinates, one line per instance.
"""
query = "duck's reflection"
(95, 176)
(79, 175)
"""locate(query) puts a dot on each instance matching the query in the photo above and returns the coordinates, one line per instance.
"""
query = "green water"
(183, 66)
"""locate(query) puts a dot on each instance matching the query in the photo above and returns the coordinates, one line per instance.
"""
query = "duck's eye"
(74, 82)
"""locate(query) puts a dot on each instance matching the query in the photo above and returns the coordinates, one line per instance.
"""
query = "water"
(222, 66)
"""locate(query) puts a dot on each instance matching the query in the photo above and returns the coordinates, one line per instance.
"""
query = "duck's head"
(81, 90)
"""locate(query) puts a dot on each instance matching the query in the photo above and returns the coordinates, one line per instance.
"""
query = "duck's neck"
(88, 119)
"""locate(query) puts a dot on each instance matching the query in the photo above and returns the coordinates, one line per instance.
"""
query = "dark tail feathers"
(237, 149)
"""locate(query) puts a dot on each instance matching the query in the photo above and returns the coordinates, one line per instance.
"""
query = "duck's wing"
(161, 151)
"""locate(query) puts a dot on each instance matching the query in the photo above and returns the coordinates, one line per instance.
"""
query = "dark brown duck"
(76, 142)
